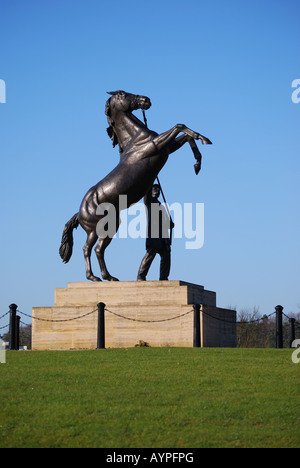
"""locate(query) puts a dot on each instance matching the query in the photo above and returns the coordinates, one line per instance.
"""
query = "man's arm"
(148, 197)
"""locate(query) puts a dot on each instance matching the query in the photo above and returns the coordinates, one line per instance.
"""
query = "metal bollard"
(197, 337)
(101, 326)
(279, 333)
(12, 326)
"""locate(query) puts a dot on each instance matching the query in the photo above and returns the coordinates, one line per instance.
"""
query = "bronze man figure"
(158, 237)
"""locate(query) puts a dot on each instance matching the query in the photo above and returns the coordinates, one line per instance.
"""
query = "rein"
(144, 115)
(161, 190)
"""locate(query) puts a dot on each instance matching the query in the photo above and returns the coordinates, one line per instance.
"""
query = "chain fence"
(251, 333)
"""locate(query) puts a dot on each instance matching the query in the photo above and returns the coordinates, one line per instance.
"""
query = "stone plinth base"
(159, 313)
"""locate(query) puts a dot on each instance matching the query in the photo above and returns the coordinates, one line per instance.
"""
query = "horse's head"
(127, 102)
(122, 102)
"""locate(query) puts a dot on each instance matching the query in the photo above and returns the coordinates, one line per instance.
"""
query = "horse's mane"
(110, 130)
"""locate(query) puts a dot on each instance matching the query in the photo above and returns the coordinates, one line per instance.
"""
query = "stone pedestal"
(159, 313)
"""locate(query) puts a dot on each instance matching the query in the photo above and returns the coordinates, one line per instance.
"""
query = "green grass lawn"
(150, 397)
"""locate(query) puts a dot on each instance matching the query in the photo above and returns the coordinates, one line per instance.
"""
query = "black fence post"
(12, 326)
(292, 331)
(197, 335)
(279, 333)
(101, 326)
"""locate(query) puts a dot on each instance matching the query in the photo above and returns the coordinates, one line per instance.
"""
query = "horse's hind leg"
(100, 249)
(103, 243)
(87, 249)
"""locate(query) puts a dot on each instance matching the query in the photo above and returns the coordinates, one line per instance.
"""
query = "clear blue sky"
(224, 69)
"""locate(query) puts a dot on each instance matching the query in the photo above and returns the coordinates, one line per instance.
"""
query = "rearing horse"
(143, 153)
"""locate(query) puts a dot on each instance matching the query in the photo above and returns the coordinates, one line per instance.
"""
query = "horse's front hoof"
(197, 168)
(206, 141)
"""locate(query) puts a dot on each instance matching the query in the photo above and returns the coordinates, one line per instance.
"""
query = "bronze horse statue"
(143, 153)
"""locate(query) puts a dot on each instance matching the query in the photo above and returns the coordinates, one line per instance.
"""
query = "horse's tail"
(66, 246)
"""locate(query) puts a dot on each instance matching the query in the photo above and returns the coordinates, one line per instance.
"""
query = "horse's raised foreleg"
(164, 139)
(87, 249)
(180, 141)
